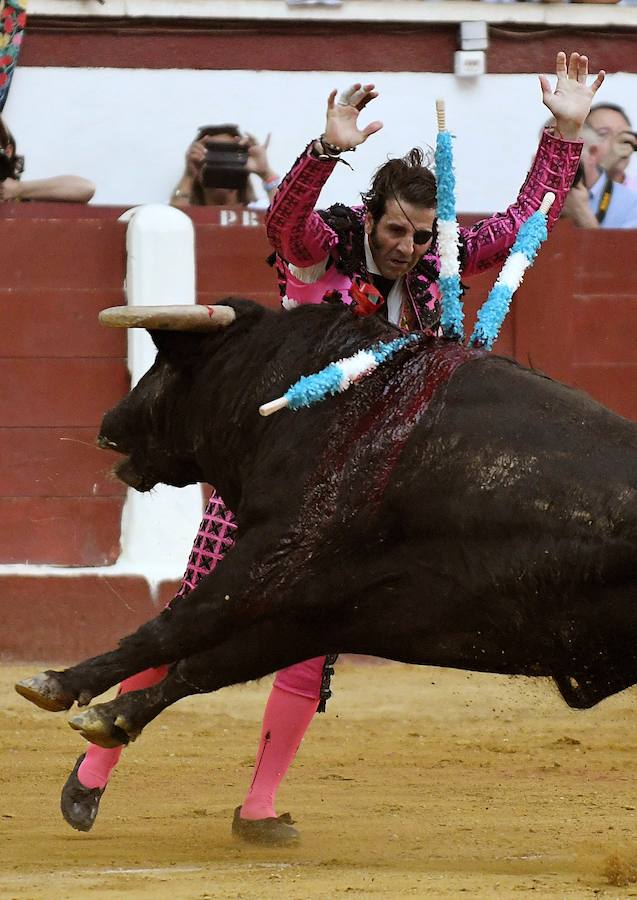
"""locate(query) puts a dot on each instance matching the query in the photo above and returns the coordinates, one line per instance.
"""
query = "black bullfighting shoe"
(80, 804)
(273, 832)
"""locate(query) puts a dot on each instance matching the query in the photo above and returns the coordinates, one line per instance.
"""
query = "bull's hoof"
(276, 831)
(79, 804)
(45, 691)
(97, 726)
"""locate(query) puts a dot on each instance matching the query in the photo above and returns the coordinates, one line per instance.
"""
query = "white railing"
(158, 528)
(396, 11)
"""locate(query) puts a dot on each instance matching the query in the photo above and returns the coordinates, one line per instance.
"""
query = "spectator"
(62, 188)
(596, 200)
(191, 189)
(613, 125)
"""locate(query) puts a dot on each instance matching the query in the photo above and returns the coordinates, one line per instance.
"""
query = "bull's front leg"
(58, 690)
(163, 640)
(189, 625)
(121, 721)
(249, 652)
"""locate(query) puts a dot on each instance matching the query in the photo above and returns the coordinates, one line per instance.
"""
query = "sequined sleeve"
(553, 169)
(294, 229)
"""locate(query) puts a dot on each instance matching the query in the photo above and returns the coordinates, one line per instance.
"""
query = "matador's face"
(394, 237)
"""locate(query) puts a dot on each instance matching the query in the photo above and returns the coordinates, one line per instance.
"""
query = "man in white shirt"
(612, 125)
(597, 201)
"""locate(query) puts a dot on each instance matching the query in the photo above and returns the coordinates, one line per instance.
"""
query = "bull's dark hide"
(492, 526)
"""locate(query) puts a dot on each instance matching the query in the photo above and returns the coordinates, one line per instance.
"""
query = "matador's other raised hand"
(571, 100)
(341, 124)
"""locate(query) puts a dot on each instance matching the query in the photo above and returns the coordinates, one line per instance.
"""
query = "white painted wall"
(551, 14)
(128, 129)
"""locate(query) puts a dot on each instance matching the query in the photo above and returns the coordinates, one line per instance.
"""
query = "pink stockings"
(290, 709)
(291, 705)
(288, 713)
(98, 763)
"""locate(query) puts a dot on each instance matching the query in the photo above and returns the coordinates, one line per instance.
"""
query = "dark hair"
(11, 165)
(407, 178)
(614, 107)
(214, 130)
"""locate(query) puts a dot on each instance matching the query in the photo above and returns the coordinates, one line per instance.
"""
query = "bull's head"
(147, 426)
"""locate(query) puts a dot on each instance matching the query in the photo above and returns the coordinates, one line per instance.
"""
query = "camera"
(224, 165)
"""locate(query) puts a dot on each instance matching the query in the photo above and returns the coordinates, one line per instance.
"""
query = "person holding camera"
(219, 163)
(612, 125)
(597, 199)
(59, 188)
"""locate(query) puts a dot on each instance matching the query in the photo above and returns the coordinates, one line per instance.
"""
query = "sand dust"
(417, 783)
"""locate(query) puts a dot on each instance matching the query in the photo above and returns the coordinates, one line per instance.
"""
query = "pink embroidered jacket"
(303, 237)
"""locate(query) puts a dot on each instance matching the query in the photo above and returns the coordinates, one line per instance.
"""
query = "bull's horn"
(169, 318)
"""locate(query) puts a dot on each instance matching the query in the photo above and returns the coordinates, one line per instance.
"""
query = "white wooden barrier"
(158, 528)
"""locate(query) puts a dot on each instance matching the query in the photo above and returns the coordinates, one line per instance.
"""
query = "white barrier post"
(158, 528)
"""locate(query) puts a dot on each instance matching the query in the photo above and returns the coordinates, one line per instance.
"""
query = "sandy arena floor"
(417, 783)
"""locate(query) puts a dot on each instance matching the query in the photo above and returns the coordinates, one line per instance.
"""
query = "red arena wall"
(575, 318)
(310, 46)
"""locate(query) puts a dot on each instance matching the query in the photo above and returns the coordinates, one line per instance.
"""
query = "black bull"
(484, 522)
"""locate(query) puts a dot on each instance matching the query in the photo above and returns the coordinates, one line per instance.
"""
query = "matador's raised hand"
(341, 124)
(571, 100)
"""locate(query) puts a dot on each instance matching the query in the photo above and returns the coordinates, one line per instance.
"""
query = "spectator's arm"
(182, 191)
(270, 183)
(259, 164)
(60, 188)
(577, 208)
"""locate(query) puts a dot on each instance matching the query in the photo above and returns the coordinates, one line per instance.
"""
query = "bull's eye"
(106, 443)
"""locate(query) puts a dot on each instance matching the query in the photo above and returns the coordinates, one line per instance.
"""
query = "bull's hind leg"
(249, 653)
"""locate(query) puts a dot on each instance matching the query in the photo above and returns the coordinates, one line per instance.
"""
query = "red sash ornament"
(366, 298)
